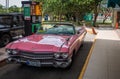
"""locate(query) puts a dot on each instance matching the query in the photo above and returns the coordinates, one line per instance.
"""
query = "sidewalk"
(3, 55)
(104, 62)
(118, 32)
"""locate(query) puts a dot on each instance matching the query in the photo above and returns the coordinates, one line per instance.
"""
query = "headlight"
(57, 55)
(14, 52)
(8, 51)
(61, 55)
(64, 55)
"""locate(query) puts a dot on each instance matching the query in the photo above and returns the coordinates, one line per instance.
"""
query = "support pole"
(7, 6)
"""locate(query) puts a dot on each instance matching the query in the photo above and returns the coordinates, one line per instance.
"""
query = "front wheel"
(5, 39)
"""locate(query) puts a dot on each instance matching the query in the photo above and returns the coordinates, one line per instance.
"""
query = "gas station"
(101, 51)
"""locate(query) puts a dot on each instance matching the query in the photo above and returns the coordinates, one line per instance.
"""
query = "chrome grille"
(44, 62)
(37, 56)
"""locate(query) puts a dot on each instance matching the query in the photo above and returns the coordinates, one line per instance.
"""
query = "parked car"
(11, 25)
(55, 46)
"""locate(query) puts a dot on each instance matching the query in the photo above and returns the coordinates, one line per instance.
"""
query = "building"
(116, 18)
(116, 12)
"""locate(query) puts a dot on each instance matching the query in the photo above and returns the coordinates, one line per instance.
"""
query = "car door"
(17, 26)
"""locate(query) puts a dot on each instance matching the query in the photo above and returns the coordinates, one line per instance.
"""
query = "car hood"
(37, 43)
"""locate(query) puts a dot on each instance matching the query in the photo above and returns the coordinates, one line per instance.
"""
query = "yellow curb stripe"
(87, 60)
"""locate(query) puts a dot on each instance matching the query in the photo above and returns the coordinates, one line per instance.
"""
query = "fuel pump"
(32, 16)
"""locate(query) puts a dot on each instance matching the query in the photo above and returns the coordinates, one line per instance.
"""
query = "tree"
(14, 8)
(2, 9)
(74, 9)
(105, 10)
(96, 10)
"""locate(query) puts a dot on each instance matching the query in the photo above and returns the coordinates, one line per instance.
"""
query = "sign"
(27, 12)
(33, 9)
(38, 10)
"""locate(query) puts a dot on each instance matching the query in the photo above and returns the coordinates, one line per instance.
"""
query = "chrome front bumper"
(38, 62)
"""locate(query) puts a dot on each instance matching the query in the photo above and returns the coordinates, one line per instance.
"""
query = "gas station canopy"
(112, 3)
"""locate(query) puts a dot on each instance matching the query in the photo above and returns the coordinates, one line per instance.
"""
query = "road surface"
(17, 71)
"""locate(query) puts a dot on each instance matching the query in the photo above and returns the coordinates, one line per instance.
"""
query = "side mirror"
(79, 31)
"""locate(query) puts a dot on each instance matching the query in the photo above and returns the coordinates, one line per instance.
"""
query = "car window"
(20, 20)
(15, 20)
(59, 29)
(5, 20)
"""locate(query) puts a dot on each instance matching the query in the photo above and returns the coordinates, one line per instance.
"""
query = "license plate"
(34, 63)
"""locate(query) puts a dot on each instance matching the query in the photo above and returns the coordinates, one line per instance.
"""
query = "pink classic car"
(55, 46)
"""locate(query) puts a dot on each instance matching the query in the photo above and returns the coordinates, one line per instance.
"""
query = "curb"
(87, 60)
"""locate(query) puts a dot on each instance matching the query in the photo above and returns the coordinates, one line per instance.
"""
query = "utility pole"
(7, 6)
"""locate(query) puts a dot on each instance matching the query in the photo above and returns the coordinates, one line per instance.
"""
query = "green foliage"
(2, 10)
(70, 8)
(13, 8)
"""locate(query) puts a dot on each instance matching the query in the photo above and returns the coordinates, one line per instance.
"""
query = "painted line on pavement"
(87, 60)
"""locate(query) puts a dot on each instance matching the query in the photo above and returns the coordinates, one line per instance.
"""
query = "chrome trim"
(31, 57)
(43, 62)
(36, 56)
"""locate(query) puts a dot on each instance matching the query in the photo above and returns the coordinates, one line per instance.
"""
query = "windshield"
(59, 29)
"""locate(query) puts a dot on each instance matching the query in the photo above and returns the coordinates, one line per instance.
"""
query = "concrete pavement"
(3, 55)
(118, 32)
(104, 60)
